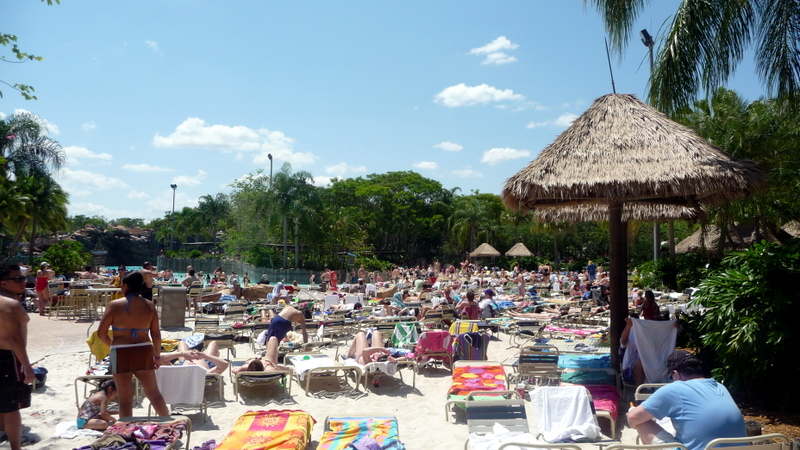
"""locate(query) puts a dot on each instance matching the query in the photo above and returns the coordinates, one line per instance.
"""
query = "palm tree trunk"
(296, 245)
(12, 251)
(285, 239)
(32, 241)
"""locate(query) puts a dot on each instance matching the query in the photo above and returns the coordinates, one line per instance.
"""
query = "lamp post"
(269, 155)
(172, 219)
(648, 42)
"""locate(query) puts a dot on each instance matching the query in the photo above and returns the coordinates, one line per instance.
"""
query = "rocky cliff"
(131, 246)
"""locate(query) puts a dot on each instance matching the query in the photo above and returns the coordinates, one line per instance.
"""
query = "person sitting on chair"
(701, 409)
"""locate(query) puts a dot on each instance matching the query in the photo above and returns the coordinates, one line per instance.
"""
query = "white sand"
(59, 346)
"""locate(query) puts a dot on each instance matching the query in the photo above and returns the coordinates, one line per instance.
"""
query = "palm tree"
(212, 211)
(287, 193)
(47, 203)
(24, 146)
(707, 39)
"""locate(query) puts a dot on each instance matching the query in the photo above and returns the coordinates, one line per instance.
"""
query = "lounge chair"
(308, 366)
(484, 416)
(272, 429)
(434, 346)
(183, 386)
(341, 431)
(471, 346)
(525, 331)
(284, 377)
(780, 442)
(538, 365)
(666, 446)
(563, 413)
(376, 369)
(477, 380)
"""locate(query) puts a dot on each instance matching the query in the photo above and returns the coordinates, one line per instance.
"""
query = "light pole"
(172, 219)
(647, 40)
(269, 155)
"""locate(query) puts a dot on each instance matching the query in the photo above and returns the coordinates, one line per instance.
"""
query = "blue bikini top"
(134, 331)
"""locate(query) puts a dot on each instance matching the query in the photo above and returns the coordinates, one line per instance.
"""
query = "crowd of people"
(135, 338)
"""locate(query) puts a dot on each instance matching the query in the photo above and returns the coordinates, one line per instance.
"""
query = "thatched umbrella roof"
(519, 250)
(484, 250)
(630, 211)
(621, 151)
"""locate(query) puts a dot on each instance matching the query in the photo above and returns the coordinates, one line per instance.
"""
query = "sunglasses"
(17, 279)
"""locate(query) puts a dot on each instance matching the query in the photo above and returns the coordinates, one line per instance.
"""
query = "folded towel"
(181, 384)
(563, 413)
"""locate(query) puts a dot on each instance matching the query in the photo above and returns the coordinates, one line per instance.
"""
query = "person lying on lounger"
(209, 359)
(267, 363)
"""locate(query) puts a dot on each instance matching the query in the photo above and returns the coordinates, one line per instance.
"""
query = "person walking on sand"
(43, 277)
(135, 346)
(16, 372)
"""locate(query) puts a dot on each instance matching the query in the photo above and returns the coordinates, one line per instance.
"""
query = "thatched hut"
(484, 251)
(519, 251)
(629, 155)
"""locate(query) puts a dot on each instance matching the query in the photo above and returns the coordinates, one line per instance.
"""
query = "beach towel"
(404, 333)
(346, 431)
(181, 384)
(273, 429)
(499, 436)
(578, 361)
(303, 365)
(468, 379)
(386, 367)
(563, 414)
(605, 398)
(436, 343)
(97, 347)
(652, 341)
(471, 346)
(463, 326)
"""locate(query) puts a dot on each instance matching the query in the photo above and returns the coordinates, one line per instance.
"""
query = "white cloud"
(138, 195)
(3, 115)
(448, 146)
(74, 153)
(498, 155)
(88, 126)
(562, 121)
(463, 95)
(189, 180)
(501, 43)
(426, 165)
(467, 173)
(163, 202)
(498, 59)
(153, 45)
(342, 169)
(195, 133)
(323, 181)
(91, 209)
(146, 168)
(495, 51)
(82, 183)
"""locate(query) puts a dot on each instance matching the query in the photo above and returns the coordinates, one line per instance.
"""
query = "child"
(94, 413)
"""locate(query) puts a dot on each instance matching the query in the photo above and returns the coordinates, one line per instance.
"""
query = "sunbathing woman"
(134, 321)
(363, 353)
(281, 324)
(268, 363)
(208, 359)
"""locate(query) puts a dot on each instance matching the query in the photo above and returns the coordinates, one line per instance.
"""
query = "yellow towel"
(169, 345)
(97, 347)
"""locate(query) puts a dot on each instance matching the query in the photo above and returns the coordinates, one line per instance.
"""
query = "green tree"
(706, 40)
(25, 146)
(211, 212)
(67, 256)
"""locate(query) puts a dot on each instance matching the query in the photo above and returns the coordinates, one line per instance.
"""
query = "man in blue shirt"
(700, 409)
(591, 270)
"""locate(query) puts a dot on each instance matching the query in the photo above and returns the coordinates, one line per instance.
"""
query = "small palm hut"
(484, 251)
(519, 251)
(633, 160)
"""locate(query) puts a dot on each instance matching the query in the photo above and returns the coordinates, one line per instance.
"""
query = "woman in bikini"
(134, 322)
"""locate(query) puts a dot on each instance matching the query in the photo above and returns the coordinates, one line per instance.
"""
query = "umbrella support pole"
(619, 277)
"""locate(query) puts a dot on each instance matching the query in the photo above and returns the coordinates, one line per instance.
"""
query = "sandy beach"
(59, 345)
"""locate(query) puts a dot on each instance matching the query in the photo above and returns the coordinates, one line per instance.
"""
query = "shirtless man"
(149, 273)
(15, 367)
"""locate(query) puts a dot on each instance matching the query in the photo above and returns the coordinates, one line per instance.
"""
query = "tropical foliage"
(750, 327)
(67, 256)
(705, 40)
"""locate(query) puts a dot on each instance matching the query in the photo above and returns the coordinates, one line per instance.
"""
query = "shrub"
(750, 323)
(67, 256)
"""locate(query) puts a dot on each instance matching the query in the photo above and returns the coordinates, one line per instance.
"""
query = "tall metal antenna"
(608, 57)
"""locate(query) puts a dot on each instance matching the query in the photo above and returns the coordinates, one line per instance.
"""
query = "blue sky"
(143, 94)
